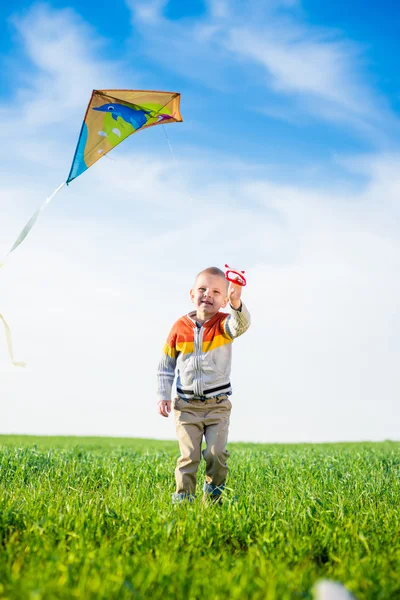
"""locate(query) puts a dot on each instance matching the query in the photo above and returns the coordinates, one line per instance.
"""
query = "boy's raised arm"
(237, 322)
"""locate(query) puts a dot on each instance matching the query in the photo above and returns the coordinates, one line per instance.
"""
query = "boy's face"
(210, 293)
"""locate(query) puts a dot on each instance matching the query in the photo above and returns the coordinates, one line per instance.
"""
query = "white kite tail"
(17, 242)
(9, 344)
(31, 223)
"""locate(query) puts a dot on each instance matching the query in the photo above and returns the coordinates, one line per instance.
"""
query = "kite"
(111, 117)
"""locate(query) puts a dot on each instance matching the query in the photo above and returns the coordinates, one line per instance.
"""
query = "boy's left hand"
(234, 294)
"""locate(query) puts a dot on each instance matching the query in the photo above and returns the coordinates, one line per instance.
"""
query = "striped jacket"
(200, 356)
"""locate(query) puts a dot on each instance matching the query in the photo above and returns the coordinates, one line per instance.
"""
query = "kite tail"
(30, 224)
(9, 344)
(17, 242)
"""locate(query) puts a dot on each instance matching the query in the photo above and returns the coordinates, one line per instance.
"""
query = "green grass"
(91, 518)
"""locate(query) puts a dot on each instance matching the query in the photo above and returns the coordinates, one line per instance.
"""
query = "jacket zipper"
(198, 351)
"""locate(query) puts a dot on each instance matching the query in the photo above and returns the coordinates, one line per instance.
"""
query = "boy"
(199, 348)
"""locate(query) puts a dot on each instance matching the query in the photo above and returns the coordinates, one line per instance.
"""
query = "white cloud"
(66, 60)
(300, 64)
(319, 72)
(322, 73)
(149, 12)
(219, 9)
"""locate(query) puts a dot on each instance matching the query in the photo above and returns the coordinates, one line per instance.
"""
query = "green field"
(91, 518)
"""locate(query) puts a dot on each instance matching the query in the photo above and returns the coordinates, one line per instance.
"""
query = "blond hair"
(213, 271)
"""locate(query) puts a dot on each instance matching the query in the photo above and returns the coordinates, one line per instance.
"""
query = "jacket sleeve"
(237, 322)
(166, 368)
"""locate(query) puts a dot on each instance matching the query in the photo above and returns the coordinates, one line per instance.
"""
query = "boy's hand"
(234, 294)
(164, 407)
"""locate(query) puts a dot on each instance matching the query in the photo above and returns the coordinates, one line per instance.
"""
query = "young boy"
(199, 349)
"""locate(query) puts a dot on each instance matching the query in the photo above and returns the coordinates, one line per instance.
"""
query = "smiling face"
(210, 293)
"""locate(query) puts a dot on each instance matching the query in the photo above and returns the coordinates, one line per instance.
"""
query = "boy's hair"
(213, 271)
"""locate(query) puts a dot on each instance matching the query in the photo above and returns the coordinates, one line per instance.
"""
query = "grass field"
(91, 518)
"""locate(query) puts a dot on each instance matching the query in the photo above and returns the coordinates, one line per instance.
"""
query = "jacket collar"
(209, 323)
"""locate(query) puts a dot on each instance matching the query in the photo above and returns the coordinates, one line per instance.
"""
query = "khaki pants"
(193, 419)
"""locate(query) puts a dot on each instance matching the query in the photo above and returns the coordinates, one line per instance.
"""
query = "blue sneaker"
(182, 497)
(213, 492)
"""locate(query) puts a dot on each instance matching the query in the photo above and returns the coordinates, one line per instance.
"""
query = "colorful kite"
(111, 117)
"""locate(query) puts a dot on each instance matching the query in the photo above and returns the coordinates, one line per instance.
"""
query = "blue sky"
(287, 166)
(222, 82)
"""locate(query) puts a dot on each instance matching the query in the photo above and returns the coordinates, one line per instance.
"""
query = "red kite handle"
(239, 276)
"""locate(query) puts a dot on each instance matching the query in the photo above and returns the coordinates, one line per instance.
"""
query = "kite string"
(170, 147)
(177, 164)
